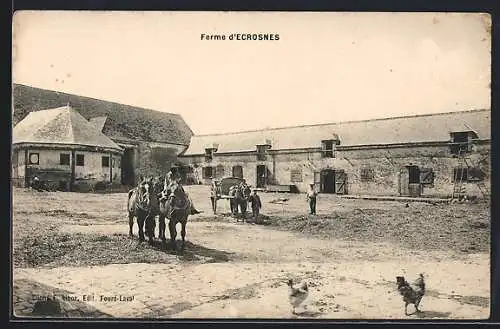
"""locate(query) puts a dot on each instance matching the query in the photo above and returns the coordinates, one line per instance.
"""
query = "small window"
(80, 160)
(460, 143)
(64, 159)
(475, 174)
(471, 174)
(209, 154)
(367, 174)
(119, 161)
(261, 152)
(296, 175)
(327, 149)
(427, 177)
(238, 171)
(34, 158)
(219, 171)
(207, 172)
(105, 161)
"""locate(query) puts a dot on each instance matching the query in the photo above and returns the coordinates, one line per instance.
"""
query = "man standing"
(311, 197)
(254, 200)
(213, 194)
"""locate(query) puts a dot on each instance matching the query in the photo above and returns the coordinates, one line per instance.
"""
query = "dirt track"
(78, 243)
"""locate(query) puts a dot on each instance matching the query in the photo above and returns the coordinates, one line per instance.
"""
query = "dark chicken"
(412, 293)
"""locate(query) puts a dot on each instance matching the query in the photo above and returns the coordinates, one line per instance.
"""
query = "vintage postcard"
(264, 165)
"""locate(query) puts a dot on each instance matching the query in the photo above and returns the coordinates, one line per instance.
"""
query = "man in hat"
(254, 200)
(311, 197)
(214, 191)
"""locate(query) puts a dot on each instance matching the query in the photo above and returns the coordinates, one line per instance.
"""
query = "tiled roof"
(62, 125)
(400, 130)
(98, 122)
(124, 122)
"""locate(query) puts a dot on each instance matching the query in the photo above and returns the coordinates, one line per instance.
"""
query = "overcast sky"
(325, 67)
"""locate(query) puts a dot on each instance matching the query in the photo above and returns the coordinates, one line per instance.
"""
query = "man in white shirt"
(311, 197)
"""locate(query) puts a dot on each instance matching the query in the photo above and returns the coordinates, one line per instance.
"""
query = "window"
(327, 149)
(261, 152)
(219, 171)
(80, 160)
(207, 172)
(471, 174)
(105, 161)
(296, 175)
(460, 143)
(238, 171)
(119, 161)
(427, 177)
(209, 154)
(64, 159)
(34, 158)
(367, 174)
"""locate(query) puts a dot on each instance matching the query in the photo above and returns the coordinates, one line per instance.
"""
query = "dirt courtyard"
(76, 247)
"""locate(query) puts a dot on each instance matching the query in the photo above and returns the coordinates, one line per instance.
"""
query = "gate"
(340, 182)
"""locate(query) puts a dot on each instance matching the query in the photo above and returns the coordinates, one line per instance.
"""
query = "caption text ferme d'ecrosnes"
(241, 36)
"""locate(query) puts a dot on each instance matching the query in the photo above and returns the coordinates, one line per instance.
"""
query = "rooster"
(412, 293)
(297, 295)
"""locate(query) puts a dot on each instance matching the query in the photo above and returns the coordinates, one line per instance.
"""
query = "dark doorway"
(327, 181)
(261, 176)
(127, 164)
(413, 175)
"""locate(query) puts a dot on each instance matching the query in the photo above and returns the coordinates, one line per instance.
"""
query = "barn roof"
(63, 125)
(400, 130)
(123, 123)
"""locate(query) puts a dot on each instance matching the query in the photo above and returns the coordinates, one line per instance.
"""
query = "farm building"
(407, 156)
(61, 147)
(151, 140)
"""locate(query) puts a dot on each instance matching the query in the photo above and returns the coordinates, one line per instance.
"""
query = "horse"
(157, 186)
(176, 206)
(139, 206)
(240, 194)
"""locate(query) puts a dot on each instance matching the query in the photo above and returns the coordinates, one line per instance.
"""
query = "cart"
(221, 189)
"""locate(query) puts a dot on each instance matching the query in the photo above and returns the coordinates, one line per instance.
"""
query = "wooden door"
(261, 176)
(340, 182)
(403, 182)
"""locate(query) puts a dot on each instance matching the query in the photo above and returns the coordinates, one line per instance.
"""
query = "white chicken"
(297, 295)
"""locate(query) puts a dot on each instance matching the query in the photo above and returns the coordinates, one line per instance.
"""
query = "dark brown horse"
(240, 194)
(176, 206)
(157, 187)
(139, 206)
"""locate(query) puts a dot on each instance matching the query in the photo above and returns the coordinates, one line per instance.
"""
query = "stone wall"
(385, 163)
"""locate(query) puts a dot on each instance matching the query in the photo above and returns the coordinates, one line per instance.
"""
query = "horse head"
(157, 183)
(176, 195)
(144, 191)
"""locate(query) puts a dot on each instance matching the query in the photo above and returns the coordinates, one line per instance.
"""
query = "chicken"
(412, 293)
(297, 295)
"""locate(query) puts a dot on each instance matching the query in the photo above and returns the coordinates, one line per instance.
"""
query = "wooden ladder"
(459, 187)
